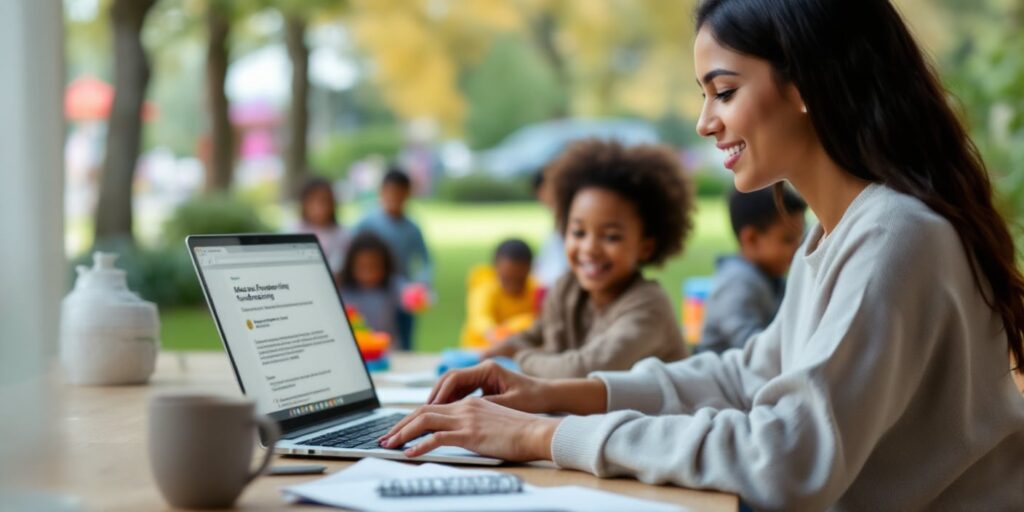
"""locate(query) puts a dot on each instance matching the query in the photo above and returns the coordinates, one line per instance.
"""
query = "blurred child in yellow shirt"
(501, 300)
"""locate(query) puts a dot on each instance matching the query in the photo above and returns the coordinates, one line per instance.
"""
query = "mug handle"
(270, 433)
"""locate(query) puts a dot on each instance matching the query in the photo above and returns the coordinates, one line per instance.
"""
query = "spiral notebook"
(457, 485)
(358, 487)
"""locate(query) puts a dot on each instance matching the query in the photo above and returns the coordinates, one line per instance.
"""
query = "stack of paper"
(356, 488)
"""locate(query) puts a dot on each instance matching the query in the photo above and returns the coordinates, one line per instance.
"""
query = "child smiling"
(620, 210)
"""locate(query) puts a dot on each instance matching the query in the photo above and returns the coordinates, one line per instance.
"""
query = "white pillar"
(32, 266)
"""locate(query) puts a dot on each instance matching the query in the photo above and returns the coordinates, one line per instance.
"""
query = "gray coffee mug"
(200, 447)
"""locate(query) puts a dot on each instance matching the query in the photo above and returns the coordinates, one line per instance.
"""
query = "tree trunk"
(295, 164)
(124, 134)
(543, 29)
(222, 161)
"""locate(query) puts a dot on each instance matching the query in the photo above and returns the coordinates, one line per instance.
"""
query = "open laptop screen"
(283, 324)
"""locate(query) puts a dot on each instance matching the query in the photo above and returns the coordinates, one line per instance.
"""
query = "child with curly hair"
(621, 209)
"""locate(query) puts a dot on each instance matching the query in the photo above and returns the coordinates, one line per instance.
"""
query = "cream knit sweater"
(882, 384)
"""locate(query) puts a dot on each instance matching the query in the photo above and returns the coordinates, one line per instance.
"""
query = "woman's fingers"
(401, 423)
(440, 383)
(404, 421)
(421, 424)
(454, 387)
(505, 400)
(460, 383)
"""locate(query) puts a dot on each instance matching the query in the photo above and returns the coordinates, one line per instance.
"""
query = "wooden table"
(100, 456)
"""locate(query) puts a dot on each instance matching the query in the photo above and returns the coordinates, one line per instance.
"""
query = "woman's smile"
(733, 150)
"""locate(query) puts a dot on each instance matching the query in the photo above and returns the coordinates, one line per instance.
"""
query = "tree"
(131, 76)
(222, 158)
(420, 50)
(512, 87)
(543, 21)
(986, 72)
(298, 122)
(298, 14)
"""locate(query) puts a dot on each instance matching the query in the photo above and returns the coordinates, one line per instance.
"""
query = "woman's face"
(760, 125)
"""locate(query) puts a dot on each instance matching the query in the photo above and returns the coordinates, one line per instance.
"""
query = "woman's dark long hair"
(882, 114)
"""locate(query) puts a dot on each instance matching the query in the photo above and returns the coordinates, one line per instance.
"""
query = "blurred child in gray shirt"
(747, 287)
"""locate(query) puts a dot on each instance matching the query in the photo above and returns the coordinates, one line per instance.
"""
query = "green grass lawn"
(462, 235)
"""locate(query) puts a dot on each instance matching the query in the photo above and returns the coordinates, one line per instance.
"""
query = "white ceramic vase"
(108, 334)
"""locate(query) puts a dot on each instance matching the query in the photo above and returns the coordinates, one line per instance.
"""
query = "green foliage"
(510, 88)
(678, 132)
(211, 214)
(164, 276)
(333, 156)
(483, 188)
(987, 74)
(711, 184)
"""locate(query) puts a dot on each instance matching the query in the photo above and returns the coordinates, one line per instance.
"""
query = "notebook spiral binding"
(450, 486)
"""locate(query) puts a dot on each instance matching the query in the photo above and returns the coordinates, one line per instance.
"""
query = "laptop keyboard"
(361, 436)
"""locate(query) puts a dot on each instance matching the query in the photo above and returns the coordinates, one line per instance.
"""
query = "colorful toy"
(416, 298)
(695, 292)
(373, 345)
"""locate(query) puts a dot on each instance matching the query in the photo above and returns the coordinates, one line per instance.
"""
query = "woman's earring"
(803, 109)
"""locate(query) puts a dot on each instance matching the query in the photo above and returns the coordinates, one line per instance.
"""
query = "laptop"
(292, 348)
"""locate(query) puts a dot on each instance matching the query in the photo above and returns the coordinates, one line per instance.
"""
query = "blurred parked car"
(530, 148)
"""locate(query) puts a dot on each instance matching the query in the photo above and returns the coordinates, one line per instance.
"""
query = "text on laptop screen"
(282, 320)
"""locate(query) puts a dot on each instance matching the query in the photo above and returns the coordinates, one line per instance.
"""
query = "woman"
(883, 383)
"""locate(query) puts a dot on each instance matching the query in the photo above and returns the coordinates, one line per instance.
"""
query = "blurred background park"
(205, 116)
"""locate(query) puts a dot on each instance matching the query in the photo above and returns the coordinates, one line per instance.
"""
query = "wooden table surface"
(99, 456)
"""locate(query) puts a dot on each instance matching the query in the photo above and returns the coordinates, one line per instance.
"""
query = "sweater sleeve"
(723, 381)
(809, 430)
(639, 330)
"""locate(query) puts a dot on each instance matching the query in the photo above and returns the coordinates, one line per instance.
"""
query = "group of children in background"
(375, 268)
(582, 304)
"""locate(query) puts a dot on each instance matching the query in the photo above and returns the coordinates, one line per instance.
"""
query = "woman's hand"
(521, 392)
(498, 384)
(478, 425)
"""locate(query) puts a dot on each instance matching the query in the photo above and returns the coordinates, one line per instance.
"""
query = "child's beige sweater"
(882, 384)
(572, 338)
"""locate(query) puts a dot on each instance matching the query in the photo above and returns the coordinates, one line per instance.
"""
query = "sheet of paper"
(356, 488)
(403, 396)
